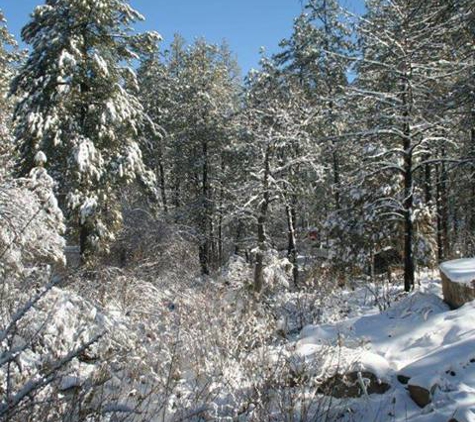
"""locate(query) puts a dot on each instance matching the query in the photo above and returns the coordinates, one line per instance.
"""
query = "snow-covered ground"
(419, 339)
(210, 350)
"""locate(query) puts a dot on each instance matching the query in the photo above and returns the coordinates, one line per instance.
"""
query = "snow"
(40, 158)
(418, 338)
(101, 64)
(30, 199)
(459, 270)
(88, 209)
(87, 157)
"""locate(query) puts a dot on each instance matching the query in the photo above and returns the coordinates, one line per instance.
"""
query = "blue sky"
(246, 25)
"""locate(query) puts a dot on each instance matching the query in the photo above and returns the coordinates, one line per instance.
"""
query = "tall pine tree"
(402, 125)
(79, 110)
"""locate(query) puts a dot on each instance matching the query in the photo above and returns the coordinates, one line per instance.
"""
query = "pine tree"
(8, 59)
(193, 96)
(78, 106)
(459, 111)
(402, 126)
(156, 88)
(280, 156)
(319, 54)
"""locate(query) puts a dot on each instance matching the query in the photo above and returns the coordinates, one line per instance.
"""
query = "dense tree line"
(361, 128)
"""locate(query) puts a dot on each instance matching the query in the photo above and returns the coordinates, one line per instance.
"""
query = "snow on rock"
(459, 270)
(458, 282)
(374, 363)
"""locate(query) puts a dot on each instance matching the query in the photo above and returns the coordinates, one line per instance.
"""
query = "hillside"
(419, 340)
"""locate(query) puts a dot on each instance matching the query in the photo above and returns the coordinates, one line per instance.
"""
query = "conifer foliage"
(241, 281)
(8, 57)
(78, 107)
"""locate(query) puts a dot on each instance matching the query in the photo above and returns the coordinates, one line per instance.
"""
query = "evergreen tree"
(8, 58)
(156, 88)
(191, 96)
(401, 125)
(281, 155)
(458, 234)
(78, 107)
(207, 90)
(319, 54)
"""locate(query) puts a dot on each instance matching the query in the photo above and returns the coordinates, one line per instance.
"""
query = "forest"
(179, 241)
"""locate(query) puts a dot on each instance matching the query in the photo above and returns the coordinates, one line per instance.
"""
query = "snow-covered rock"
(458, 281)
(459, 270)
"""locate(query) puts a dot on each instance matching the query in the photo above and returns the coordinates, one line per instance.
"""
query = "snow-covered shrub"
(44, 330)
(154, 247)
(237, 272)
(31, 224)
(193, 348)
(176, 349)
(425, 245)
(277, 272)
(45, 345)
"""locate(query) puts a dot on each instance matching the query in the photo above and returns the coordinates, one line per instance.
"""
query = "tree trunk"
(261, 225)
(292, 241)
(471, 216)
(206, 224)
(161, 178)
(408, 226)
(442, 211)
(220, 241)
(83, 242)
(237, 241)
(440, 242)
(444, 215)
(220, 257)
(336, 177)
(213, 245)
(409, 267)
(428, 181)
(84, 231)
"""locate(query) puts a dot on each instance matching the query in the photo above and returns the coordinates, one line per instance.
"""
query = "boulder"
(420, 395)
(458, 282)
(348, 386)
(421, 388)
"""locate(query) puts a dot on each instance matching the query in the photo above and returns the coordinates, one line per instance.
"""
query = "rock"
(421, 396)
(347, 385)
(456, 294)
(458, 282)
(422, 386)
(403, 379)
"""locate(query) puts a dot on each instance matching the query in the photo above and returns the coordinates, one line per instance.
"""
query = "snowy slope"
(418, 338)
